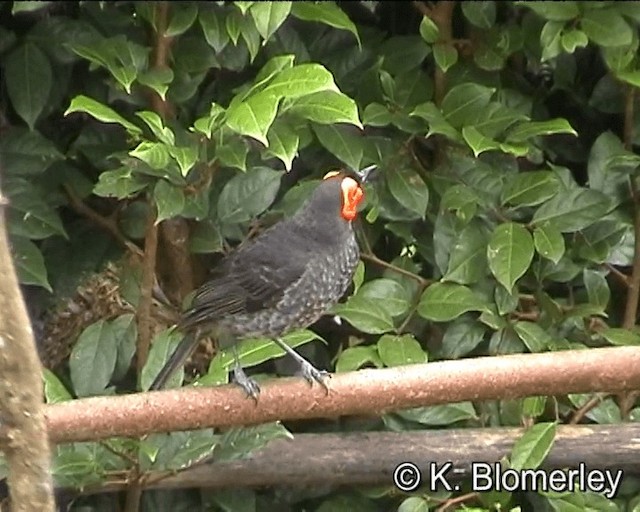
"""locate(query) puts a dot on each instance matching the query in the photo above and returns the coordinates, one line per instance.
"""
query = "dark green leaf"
(440, 415)
(213, 29)
(409, 189)
(573, 210)
(533, 336)
(529, 129)
(574, 39)
(125, 333)
(354, 358)
(240, 442)
(414, 503)
(324, 12)
(183, 15)
(400, 350)
(549, 242)
(557, 11)
(606, 27)
(120, 183)
(442, 302)
(445, 55)
(533, 447)
(461, 337)
(437, 122)
(28, 80)
(169, 200)
(93, 359)
(463, 103)
(25, 152)
(468, 260)
(403, 53)
(509, 253)
(157, 79)
(26, 6)
(597, 288)
(480, 14)
(365, 315)
(29, 263)
(531, 188)
(389, 294)
(248, 194)
(162, 346)
(478, 142)
(185, 156)
(340, 141)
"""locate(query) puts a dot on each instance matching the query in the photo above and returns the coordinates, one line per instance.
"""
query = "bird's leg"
(309, 372)
(249, 385)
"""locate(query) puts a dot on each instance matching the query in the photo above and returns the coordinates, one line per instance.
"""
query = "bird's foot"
(312, 374)
(249, 385)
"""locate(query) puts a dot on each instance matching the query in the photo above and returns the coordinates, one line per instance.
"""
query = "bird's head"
(347, 189)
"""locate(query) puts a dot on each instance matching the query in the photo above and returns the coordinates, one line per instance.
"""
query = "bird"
(283, 279)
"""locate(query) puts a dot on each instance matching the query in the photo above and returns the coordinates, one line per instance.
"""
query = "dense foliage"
(502, 220)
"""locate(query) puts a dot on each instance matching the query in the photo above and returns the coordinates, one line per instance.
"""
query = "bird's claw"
(249, 385)
(312, 374)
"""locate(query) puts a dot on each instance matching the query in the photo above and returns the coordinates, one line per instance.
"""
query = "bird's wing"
(254, 277)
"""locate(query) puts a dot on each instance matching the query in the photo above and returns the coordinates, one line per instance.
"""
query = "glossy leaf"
(28, 78)
(162, 346)
(254, 117)
(389, 294)
(533, 336)
(283, 143)
(342, 143)
(409, 189)
(324, 12)
(527, 130)
(572, 210)
(29, 263)
(93, 359)
(365, 315)
(532, 448)
(606, 27)
(169, 200)
(400, 350)
(531, 188)
(442, 302)
(327, 107)
(248, 194)
(156, 125)
(622, 337)
(549, 242)
(354, 358)
(509, 253)
(268, 16)
(101, 112)
(463, 103)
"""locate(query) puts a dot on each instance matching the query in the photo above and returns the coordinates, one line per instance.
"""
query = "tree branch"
(24, 439)
(612, 369)
(346, 458)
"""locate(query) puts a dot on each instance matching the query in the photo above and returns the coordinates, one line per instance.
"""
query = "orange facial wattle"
(352, 195)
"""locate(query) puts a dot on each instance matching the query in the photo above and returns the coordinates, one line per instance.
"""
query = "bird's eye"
(330, 174)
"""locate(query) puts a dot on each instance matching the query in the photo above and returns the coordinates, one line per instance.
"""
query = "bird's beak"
(364, 174)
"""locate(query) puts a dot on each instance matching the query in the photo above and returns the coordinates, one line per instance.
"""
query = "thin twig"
(590, 404)
(106, 223)
(377, 261)
(622, 277)
(458, 499)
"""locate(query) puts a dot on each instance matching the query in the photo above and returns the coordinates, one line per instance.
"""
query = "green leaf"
(622, 337)
(342, 143)
(283, 143)
(389, 294)
(25, 152)
(207, 124)
(248, 194)
(480, 14)
(461, 337)
(376, 114)
(239, 442)
(549, 242)
(169, 200)
(233, 24)
(157, 79)
(400, 350)
(429, 30)
(300, 81)
(120, 183)
(54, 390)
(101, 112)
(354, 358)
(154, 154)
(529, 129)
(268, 16)
(93, 359)
(442, 302)
(606, 27)
(324, 12)
(467, 259)
(183, 14)
(233, 152)
(185, 156)
(163, 345)
(509, 253)
(533, 336)
(364, 314)
(440, 415)
(437, 122)
(597, 288)
(156, 125)
(125, 333)
(551, 40)
(30, 215)
(409, 189)
(478, 142)
(327, 107)
(557, 11)
(631, 77)
(463, 103)
(574, 39)
(573, 210)
(28, 79)
(403, 53)
(19, 7)
(214, 31)
(254, 116)
(243, 6)
(414, 504)
(533, 447)
(29, 263)
(445, 55)
(530, 188)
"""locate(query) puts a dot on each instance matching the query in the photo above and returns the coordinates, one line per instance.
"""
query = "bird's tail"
(185, 348)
